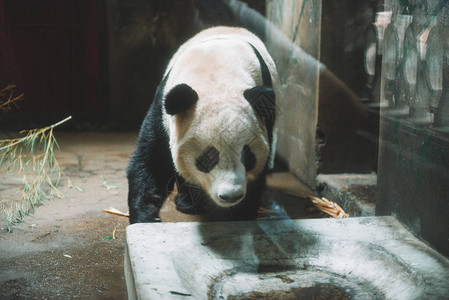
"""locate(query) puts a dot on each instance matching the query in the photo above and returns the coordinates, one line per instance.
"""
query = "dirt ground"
(63, 250)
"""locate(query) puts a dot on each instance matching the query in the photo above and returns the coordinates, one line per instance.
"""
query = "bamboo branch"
(20, 155)
(4, 104)
(328, 207)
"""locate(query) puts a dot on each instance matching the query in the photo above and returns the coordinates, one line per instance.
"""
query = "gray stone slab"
(294, 43)
(363, 258)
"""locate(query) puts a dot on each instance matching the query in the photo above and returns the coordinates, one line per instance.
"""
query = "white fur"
(219, 64)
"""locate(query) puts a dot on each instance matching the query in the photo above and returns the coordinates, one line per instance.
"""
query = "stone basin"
(355, 258)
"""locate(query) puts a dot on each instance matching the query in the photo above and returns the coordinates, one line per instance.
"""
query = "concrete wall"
(142, 36)
(300, 22)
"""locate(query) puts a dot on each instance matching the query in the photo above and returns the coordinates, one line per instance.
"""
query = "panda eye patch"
(248, 158)
(208, 160)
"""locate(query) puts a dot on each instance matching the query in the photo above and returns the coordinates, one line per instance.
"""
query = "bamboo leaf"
(32, 156)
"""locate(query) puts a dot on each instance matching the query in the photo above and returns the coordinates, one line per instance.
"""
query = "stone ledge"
(164, 260)
(355, 193)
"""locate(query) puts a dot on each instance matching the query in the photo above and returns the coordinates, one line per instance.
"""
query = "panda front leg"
(151, 170)
(145, 198)
(190, 198)
(144, 208)
(150, 175)
(145, 195)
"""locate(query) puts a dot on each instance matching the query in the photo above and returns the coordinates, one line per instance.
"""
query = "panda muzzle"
(231, 197)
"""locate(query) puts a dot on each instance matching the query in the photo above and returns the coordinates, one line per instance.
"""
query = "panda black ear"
(179, 99)
(263, 101)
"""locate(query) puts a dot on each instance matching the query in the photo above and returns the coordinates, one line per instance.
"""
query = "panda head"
(220, 146)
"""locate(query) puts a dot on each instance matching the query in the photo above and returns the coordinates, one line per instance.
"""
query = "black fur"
(208, 159)
(179, 99)
(151, 168)
(190, 199)
(266, 77)
(262, 98)
(248, 158)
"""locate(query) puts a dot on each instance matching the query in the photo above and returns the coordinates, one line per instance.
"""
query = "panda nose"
(231, 197)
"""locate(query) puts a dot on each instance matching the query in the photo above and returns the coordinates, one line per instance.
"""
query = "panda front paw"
(146, 210)
(144, 218)
(154, 220)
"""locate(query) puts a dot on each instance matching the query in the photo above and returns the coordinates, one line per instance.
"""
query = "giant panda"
(210, 129)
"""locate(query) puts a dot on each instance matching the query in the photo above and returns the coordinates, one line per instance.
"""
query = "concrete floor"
(59, 252)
